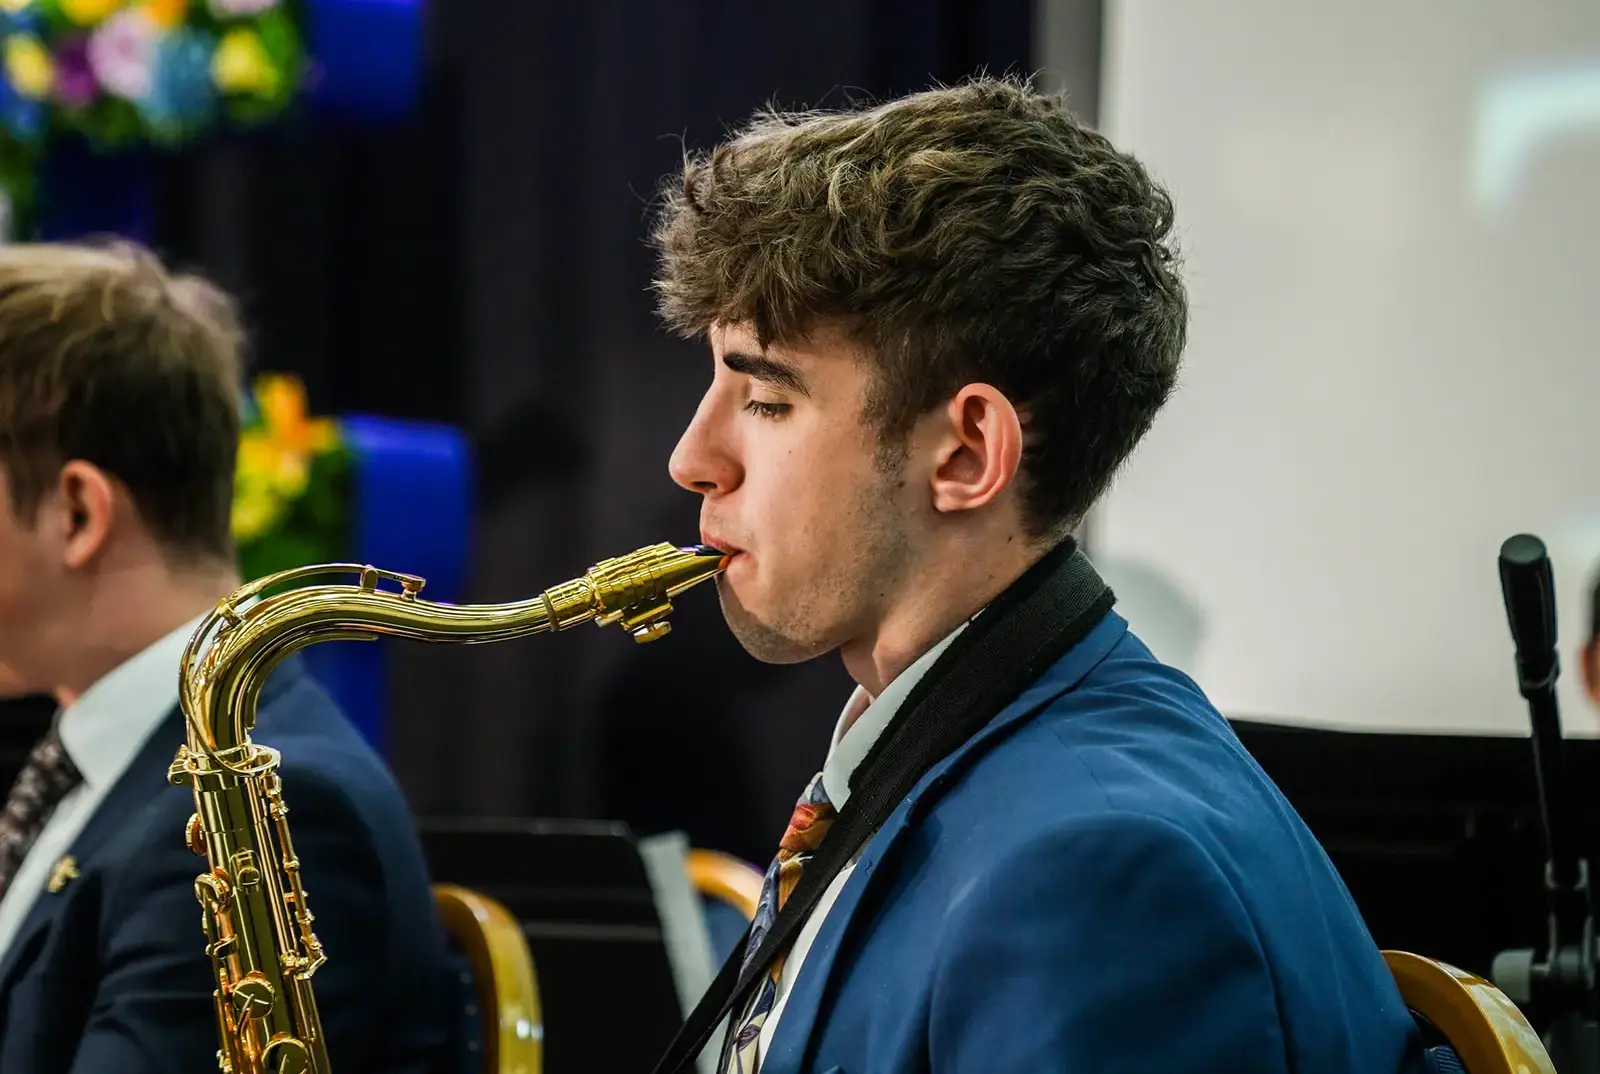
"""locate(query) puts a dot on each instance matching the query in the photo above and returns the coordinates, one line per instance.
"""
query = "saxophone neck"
(237, 646)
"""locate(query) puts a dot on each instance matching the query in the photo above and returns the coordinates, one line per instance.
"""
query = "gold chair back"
(1486, 1030)
(502, 967)
(722, 876)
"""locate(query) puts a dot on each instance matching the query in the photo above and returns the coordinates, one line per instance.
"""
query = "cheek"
(803, 481)
(21, 573)
(13, 597)
(810, 490)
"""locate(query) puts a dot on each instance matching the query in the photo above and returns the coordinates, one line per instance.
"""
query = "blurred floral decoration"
(124, 73)
(292, 484)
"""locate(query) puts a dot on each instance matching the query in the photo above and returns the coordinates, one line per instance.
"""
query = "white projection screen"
(1390, 214)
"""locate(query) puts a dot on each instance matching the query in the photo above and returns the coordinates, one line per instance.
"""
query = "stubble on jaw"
(818, 616)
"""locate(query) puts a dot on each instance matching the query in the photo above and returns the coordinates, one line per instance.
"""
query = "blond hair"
(107, 357)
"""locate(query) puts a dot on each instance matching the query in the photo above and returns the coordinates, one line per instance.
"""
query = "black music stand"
(1435, 835)
(583, 895)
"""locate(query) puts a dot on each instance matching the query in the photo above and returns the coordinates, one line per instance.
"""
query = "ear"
(980, 449)
(86, 506)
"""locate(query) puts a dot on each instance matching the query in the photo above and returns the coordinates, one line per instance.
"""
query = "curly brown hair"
(978, 232)
(107, 357)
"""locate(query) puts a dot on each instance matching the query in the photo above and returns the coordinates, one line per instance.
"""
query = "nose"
(703, 461)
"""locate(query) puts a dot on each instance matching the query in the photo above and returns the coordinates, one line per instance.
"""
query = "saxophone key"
(253, 996)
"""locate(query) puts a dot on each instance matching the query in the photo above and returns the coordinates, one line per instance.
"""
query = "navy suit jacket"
(1101, 881)
(110, 976)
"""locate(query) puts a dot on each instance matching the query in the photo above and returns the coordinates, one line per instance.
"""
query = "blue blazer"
(110, 976)
(1101, 881)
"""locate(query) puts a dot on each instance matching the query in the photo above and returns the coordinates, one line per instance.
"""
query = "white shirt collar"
(852, 741)
(108, 725)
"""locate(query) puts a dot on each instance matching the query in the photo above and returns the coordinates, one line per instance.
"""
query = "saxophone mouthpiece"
(707, 551)
(636, 590)
(690, 565)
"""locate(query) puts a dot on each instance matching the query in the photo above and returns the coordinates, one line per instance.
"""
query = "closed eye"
(766, 409)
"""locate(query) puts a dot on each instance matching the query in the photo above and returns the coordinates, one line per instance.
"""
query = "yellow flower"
(282, 402)
(256, 504)
(275, 455)
(89, 12)
(166, 14)
(291, 475)
(254, 513)
(241, 64)
(278, 467)
(29, 66)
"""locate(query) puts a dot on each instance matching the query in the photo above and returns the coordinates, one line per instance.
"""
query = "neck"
(131, 610)
(938, 594)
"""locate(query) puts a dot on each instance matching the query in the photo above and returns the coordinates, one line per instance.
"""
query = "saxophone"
(253, 900)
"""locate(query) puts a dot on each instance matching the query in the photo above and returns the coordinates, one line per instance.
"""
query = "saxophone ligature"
(257, 923)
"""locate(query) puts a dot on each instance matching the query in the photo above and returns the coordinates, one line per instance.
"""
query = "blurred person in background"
(119, 422)
(937, 328)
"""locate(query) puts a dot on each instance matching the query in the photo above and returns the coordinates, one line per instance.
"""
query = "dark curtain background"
(485, 264)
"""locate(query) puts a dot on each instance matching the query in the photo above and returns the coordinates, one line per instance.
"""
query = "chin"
(767, 643)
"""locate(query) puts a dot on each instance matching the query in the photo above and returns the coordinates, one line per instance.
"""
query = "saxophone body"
(254, 910)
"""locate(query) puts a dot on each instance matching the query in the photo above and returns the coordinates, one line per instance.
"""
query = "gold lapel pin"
(66, 869)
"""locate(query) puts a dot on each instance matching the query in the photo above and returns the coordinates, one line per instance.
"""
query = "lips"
(719, 544)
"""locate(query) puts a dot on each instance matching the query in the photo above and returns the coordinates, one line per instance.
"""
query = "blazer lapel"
(140, 783)
(27, 937)
(143, 779)
(146, 776)
(796, 1025)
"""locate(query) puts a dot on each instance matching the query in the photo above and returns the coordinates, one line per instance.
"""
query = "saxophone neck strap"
(1022, 632)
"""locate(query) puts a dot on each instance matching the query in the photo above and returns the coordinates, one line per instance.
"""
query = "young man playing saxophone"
(119, 420)
(937, 327)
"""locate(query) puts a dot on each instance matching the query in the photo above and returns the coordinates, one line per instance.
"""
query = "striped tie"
(812, 816)
(46, 779)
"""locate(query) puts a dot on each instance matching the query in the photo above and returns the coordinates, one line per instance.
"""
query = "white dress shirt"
(103, 731)
(864, 718)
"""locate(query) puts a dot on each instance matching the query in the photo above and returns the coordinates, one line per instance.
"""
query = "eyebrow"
(779, 374)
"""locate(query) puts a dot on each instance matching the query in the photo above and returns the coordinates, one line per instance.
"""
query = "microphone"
(1562, 977)
(1528, 586)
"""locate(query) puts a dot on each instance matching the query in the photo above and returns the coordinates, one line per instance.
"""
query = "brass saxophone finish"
(257, 923)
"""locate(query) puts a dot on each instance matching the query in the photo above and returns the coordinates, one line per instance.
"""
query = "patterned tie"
(812, 816)
(44, 781)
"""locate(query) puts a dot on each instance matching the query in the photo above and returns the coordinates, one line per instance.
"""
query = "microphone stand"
(1560, 978)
